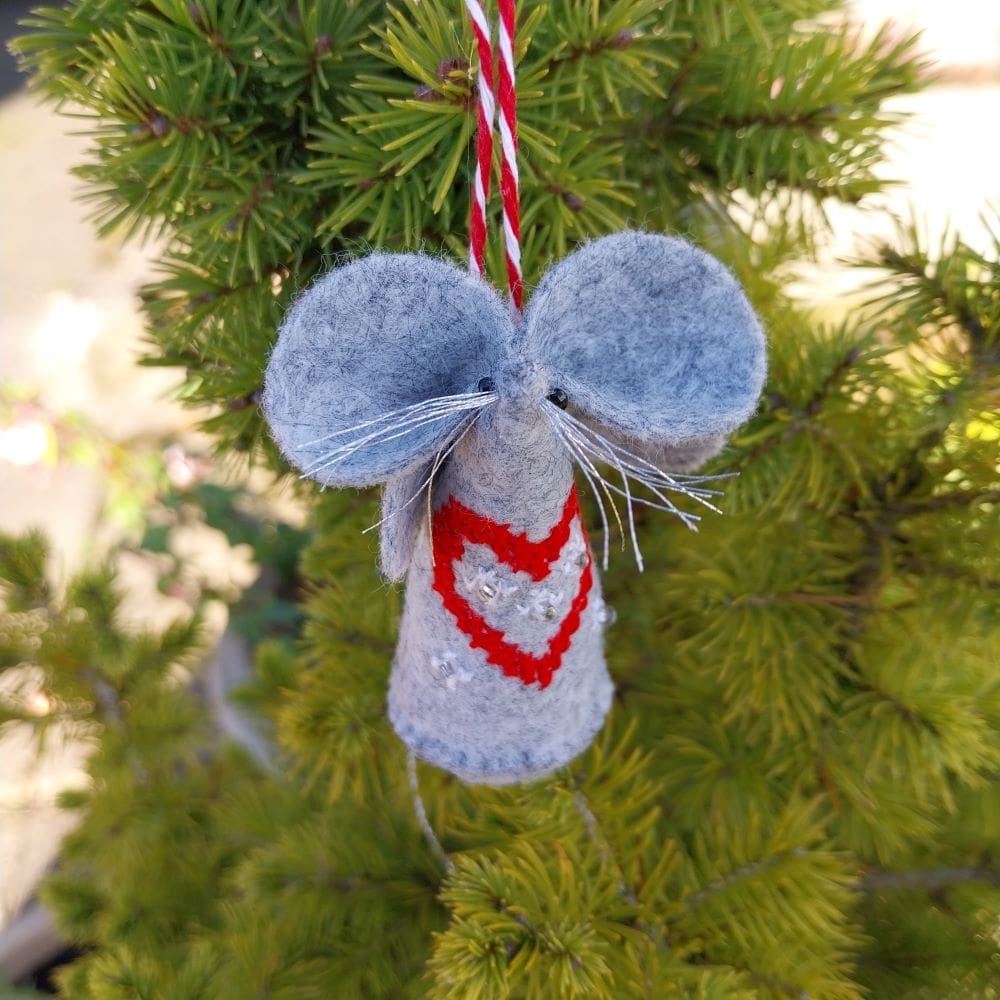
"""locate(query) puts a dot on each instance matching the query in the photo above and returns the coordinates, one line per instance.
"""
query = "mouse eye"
(558, 398)
(486, 384)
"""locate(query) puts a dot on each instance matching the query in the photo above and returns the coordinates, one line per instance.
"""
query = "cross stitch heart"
(455, 526)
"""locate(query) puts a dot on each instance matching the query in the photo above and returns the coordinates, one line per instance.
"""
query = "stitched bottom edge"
(522, 767)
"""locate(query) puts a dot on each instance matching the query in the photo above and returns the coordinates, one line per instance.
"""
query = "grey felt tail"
(403, 511)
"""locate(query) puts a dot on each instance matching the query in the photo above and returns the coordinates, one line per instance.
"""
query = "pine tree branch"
(107, 698)
(925, 567)
(829, 600)
(833, 380)
(622, 40)
(811, 120)
(876, 879)
(803, 417)
(906, 266)
(696, 899)
(762, 979)
(832, 600)
(913, 718)
(663, 123)
(947, 501)
(600, 842)
(778, 985)
(688, 61)
(881, 522)
(257, 195)
(656, 934)
(573, 201)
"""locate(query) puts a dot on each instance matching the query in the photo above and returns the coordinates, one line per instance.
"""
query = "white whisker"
(572, 449)
(681, 483)
(427, 484)
(625, 492)
(666, 504)
(434, 403)
(587, 446)
(345, 451)
(389, 433)
(688, 485)
(584, 459)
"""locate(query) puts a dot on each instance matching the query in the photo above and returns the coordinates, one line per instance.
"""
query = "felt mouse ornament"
(634, 359)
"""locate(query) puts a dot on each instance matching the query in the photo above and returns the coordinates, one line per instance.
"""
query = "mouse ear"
(651, 338)
(377, 364)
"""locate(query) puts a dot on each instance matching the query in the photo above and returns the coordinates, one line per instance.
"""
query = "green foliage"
(269, 608)
(265, 140)
(796, 793)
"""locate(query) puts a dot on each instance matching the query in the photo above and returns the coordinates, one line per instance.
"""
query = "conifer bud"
(447, 67)
(158, 126)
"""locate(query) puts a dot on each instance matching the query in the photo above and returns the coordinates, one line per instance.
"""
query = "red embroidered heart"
(455, 525)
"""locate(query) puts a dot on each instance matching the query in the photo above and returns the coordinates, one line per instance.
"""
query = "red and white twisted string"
(484, 137)
(508, 146)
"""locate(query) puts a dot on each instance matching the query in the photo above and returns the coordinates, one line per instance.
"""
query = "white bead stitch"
(483, 585)
(540, 601)
(446, 670)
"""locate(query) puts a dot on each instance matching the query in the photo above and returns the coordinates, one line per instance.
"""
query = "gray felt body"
(657, 349)
(449, 704)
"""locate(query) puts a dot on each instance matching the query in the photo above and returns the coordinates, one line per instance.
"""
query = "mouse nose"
(521, 383)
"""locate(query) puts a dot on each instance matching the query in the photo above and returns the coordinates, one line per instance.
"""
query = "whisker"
(436, 411)
(666, 503)
(687, 485)
(625, 492)
(398, 429)
(677, 481)
(587, 445)
(436, 401)
(442, 455)
(611, 500)
(439, 460)
(602, 455)
(686, 516)
(575, 453)
(345, 451)
(631, 514)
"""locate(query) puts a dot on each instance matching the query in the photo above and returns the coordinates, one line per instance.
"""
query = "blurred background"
(96, 450)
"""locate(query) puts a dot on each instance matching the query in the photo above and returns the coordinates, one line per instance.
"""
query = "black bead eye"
(486, 384)
(558, 398)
